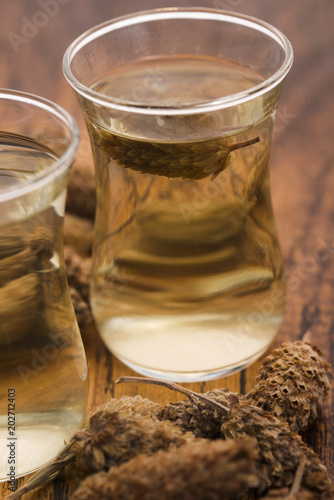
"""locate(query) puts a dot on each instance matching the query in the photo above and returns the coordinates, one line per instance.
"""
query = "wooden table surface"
(302, 175)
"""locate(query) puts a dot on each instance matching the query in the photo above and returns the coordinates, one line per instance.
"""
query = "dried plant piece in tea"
(113, 439)
(280, 450)
(292, 384)
(188, 160)
(200, 470)
(199, 418)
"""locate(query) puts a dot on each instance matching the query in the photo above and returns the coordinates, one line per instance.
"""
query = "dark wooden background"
(302, 173)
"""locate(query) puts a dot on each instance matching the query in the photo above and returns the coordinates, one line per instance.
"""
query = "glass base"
(188, 348)
(190, 377)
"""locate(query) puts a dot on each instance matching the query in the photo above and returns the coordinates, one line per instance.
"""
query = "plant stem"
(192, 395)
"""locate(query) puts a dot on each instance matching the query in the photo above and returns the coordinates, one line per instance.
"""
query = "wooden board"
(302, 175)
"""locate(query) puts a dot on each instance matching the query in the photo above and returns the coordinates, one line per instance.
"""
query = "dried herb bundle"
(292, 384)
(199, 470)
(199, 418)
(280, 450)
(192, 160)
(124, 428)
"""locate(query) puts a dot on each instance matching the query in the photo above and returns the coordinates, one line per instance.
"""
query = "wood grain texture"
(302, 175)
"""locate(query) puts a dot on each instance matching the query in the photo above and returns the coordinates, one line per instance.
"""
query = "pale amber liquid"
(187, 282)
(42, 358)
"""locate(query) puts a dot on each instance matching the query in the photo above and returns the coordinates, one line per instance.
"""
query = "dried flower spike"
(113, 439)
(196, 471)
(190, 160)
(125, 405)
(295, 493)
(292, 384)
(280, 450)
(199, 418)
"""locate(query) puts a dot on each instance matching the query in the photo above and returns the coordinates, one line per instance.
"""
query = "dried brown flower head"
(280, 450)
(113, 438)
(125, 405)
(197, 416)
(201, 470)
(292, 384)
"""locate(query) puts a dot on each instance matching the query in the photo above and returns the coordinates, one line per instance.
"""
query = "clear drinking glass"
(187, 279)
(43, 371)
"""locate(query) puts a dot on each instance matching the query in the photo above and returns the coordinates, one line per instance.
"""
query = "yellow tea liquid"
(43, 374)
(187, 281)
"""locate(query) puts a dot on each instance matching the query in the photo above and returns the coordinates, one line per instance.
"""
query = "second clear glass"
(43, 370)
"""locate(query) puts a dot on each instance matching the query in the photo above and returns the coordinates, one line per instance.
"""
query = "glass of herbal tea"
(40, 343)
(187, 280)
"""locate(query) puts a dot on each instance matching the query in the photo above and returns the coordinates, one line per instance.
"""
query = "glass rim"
(198, 13)
(62, 163)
